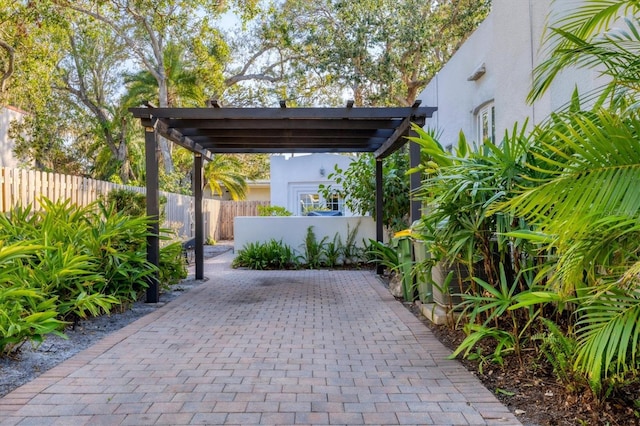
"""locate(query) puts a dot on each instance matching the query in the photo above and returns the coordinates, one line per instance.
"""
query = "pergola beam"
(309, 132)
(178, 138)
(267, 124)
(282, 113)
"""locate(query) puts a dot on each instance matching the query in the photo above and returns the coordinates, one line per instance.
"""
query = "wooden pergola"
(214, 130)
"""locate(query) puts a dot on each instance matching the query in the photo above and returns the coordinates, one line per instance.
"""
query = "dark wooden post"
(153, 211)
(414, 183)
(379, 209)
(197, 184)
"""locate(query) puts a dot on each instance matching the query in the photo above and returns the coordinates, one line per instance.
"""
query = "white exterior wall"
(509, 44)
(301, 174)
(8, 115)
(293, 229)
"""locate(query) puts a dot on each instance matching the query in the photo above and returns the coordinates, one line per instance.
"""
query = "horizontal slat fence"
(23, 187)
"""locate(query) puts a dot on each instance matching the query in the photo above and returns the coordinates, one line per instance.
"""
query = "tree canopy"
(76, 66)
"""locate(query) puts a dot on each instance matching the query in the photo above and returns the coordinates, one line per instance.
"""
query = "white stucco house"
(482, 89)
(8, 114)
(295, 181)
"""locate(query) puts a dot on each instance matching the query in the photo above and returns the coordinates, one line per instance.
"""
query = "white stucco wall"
(301, 174)
(7, 115)
(293, 229)
(509, 44)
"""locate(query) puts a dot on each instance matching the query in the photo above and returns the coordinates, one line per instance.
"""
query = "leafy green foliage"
(171, 266)
(269, 255)
(25, 313)
(132, 203)
(561, 207)
(382, 51)
(323, 253)
(65, 262)
(383, 254)
(608, 334)
(357, 186)
(459, 192)
(313, 251)
(224, 171)
(273, 211)
(333, 252)
(351, 253)
(559, 349)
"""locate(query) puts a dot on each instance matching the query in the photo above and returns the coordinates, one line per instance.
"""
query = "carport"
(215, 130)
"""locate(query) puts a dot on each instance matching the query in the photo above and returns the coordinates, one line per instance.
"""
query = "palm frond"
(608, 333)
(571, 37)
(224, 171)
(592, 168)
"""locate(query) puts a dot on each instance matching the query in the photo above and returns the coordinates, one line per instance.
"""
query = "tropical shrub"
(357, 186)
(333, 250)
(25, 313)
(273, 211)
(382, 254)
(130, 202)
(65, 262)
(268, 255)
(171, 266)
(573, 214)
(458, 192)
(313, 251)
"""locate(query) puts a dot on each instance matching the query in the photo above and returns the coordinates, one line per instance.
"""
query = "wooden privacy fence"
(230, 209)
(23, 187)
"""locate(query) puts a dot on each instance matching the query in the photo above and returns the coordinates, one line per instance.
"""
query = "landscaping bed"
(32, 361)
(529, 389)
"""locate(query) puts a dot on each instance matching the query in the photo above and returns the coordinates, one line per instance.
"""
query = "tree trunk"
(163, 143)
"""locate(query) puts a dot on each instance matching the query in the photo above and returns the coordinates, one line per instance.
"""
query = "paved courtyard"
(264, 347)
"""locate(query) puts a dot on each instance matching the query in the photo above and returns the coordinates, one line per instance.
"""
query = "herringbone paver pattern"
(256, 347)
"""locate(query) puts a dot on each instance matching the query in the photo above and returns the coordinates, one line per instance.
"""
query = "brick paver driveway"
(256, 347)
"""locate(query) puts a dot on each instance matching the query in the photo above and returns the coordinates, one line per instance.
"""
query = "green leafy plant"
(273, 211)
(117, 242)
(313, 251)
(333, 252)
(504, 342)
(357, 186)
(383, 255)
(132, 203)
(63, 263)
(269, 255)
(351, 253)
(172, 266)
(26, 314)
(559, 349)
(608, 333)
(490, 312)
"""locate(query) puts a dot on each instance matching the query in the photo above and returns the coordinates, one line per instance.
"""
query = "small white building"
(8, 114)
(482, 89)
(295, 181)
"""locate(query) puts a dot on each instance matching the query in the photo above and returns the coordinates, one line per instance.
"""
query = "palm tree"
(585, 197)
(183, 88)
(225, 171)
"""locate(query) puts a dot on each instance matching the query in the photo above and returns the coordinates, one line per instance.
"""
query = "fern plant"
(559, 349)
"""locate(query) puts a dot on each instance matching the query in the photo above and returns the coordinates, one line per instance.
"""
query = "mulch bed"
(530, 390)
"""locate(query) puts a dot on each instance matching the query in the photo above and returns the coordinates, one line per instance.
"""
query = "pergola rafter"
(209, 131)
